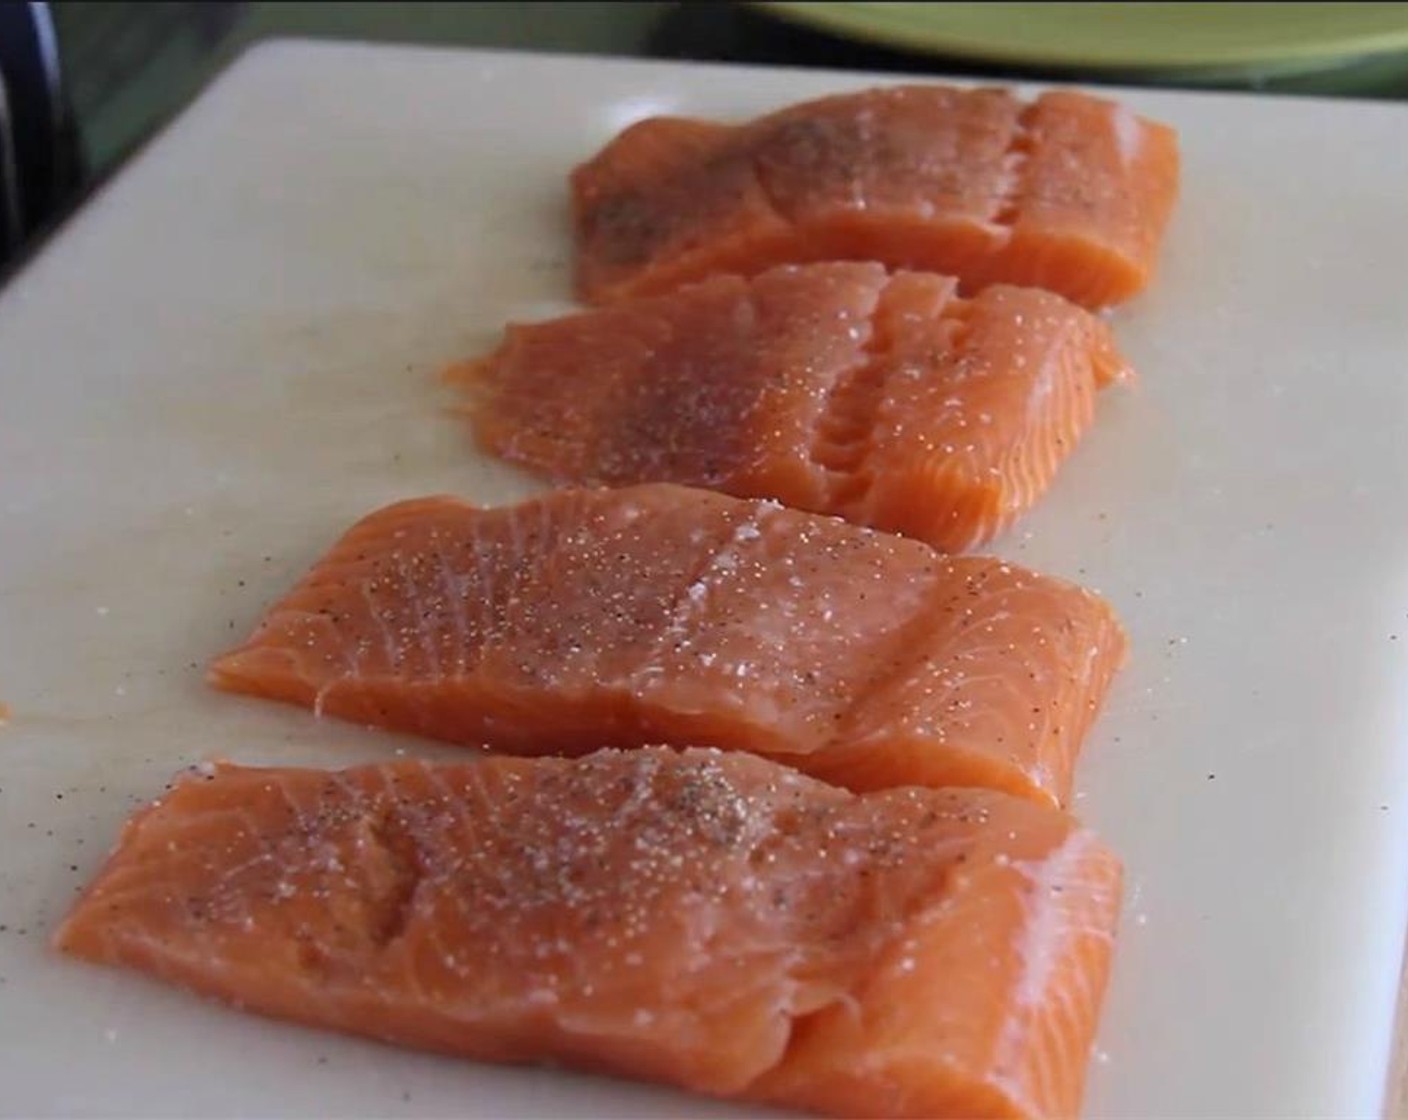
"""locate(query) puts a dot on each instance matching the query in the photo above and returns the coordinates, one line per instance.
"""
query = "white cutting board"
(231, 353)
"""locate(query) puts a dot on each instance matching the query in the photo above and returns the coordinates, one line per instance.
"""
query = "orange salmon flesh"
(1069, 192)
(662, 614)
(835, 388)
(707, 920)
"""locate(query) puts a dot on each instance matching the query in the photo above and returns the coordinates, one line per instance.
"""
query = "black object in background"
(40, 164)
(11, 225)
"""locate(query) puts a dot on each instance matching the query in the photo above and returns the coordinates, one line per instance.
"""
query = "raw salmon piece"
(708, 920)
(1069, 192)
(829, 387)
(662, 614)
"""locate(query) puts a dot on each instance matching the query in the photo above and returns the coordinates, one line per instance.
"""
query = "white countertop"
(231, 353)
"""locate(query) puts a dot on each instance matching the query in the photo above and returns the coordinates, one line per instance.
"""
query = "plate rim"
(888, 26)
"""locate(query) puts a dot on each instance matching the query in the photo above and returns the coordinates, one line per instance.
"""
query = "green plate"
(1227, 37)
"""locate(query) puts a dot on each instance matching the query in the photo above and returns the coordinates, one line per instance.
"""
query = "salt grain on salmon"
(836, 388)
(590, 616)
(712, 921)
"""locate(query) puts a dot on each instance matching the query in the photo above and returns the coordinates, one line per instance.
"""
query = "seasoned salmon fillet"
(1068, 192)
(833, 387)
(708, 920)
(673, 615)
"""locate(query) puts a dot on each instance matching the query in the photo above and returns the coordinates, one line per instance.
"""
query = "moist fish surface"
(667, 614)
(708, 920)
(837, 388)
(1068, 192)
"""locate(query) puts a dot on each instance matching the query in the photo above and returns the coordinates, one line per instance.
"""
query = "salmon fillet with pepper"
(665, 614)
(887, 400)
(1068, 192)
(707, 920)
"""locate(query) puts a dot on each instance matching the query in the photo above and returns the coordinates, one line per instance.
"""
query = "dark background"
(127, 68)
(130, 66)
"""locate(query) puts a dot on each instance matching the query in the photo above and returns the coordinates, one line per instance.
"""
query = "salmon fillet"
(889, 401)
(1068, 192)
(672, 615)
(711, 921)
